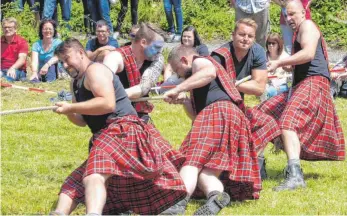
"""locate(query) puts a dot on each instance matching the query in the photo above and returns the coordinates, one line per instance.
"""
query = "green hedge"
(214, 19)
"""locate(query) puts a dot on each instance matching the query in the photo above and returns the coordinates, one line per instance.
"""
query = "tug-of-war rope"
(38, 109)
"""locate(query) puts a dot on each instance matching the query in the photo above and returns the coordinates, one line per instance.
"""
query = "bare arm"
(99, 81)
(148, 79)
(20, 61)
(308, 38)
(92, 55)
(114, 61)
(203, 73)
(34, 64)
(188, 108)
(167, 72)
(75, 118)
(256, 86)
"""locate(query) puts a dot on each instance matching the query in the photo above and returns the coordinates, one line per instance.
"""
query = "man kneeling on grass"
(220, 154)
(140, 178)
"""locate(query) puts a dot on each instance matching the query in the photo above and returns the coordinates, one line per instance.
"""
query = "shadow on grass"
(279, 175)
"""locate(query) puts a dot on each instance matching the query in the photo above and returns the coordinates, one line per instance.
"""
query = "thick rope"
(37, 109)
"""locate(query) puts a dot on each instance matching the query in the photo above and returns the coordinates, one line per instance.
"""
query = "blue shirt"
(45, 56)
(94, 44)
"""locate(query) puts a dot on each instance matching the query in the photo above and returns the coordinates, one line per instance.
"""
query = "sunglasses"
(271, 43)
(132, 35)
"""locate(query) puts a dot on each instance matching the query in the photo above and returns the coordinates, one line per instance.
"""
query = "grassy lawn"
(39, 150)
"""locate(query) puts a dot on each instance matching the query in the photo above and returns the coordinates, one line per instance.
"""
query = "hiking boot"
(177, 209)
(294, 178)
(262, 167)
(215, 203)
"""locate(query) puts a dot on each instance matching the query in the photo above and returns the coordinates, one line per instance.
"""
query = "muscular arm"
(308, 38)
(75, 118)
(148, 79)
(256, 86)
(204, 72)
(114, 61)
(99, 81)
(92, 55)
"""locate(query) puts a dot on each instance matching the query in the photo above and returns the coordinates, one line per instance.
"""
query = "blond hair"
(9, 20)
(246, 21)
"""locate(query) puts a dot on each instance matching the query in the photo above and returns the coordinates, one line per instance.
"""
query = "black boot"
(294, 178)
(262, 167)
(177, 209)
(216, 201)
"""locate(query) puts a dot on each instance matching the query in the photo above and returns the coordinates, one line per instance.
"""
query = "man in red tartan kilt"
(126, 169)
(220, 154)
(243, 57)
(139, 66)
(306, 115)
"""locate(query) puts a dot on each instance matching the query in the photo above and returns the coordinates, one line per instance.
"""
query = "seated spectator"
(100, 46)
(132, 34)
(338, 85)
(275, 86)
(190, 38)
(14, 50)
(43, 61)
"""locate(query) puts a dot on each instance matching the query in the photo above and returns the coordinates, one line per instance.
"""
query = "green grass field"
(39, 150)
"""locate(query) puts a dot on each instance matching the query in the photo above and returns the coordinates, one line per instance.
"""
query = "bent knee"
(95, 178)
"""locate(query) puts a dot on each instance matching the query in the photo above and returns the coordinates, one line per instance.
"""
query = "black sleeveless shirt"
(123, 104)
(209, 94)
(317, 67)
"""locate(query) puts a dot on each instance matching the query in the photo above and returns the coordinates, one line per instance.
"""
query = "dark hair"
(102, 23)
(276, 37)
(43, 22)
(147, 31)
(197, 40)
(67, 44)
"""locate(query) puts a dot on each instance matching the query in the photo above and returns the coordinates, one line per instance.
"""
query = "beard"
(188, 73)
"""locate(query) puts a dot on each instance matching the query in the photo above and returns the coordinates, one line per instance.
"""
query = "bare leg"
(213, 188)
(95, 192)
(208, 181)
(294, 177)
(291, 144)
(65, 205)
(189, 176)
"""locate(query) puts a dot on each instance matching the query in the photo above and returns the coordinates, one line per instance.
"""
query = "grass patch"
(39, 150)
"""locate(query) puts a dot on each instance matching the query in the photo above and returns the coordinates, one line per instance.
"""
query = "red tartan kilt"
(264, 128)
(144, 180)
(221, 139)
(310, 112)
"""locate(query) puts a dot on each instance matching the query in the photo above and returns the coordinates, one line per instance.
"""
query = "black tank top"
(317, 67)
(209, 94)
(123, 75)
(123, 104)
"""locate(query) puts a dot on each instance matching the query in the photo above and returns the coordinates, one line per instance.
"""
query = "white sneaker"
(115, 35)
(176, 38)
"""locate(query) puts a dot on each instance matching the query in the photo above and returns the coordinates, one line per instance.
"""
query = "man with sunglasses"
(129, 168)
(103, 44)
(306, 114)
(139, 66)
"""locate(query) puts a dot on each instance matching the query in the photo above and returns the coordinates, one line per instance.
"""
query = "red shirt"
(308, 12)
(10, 51)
